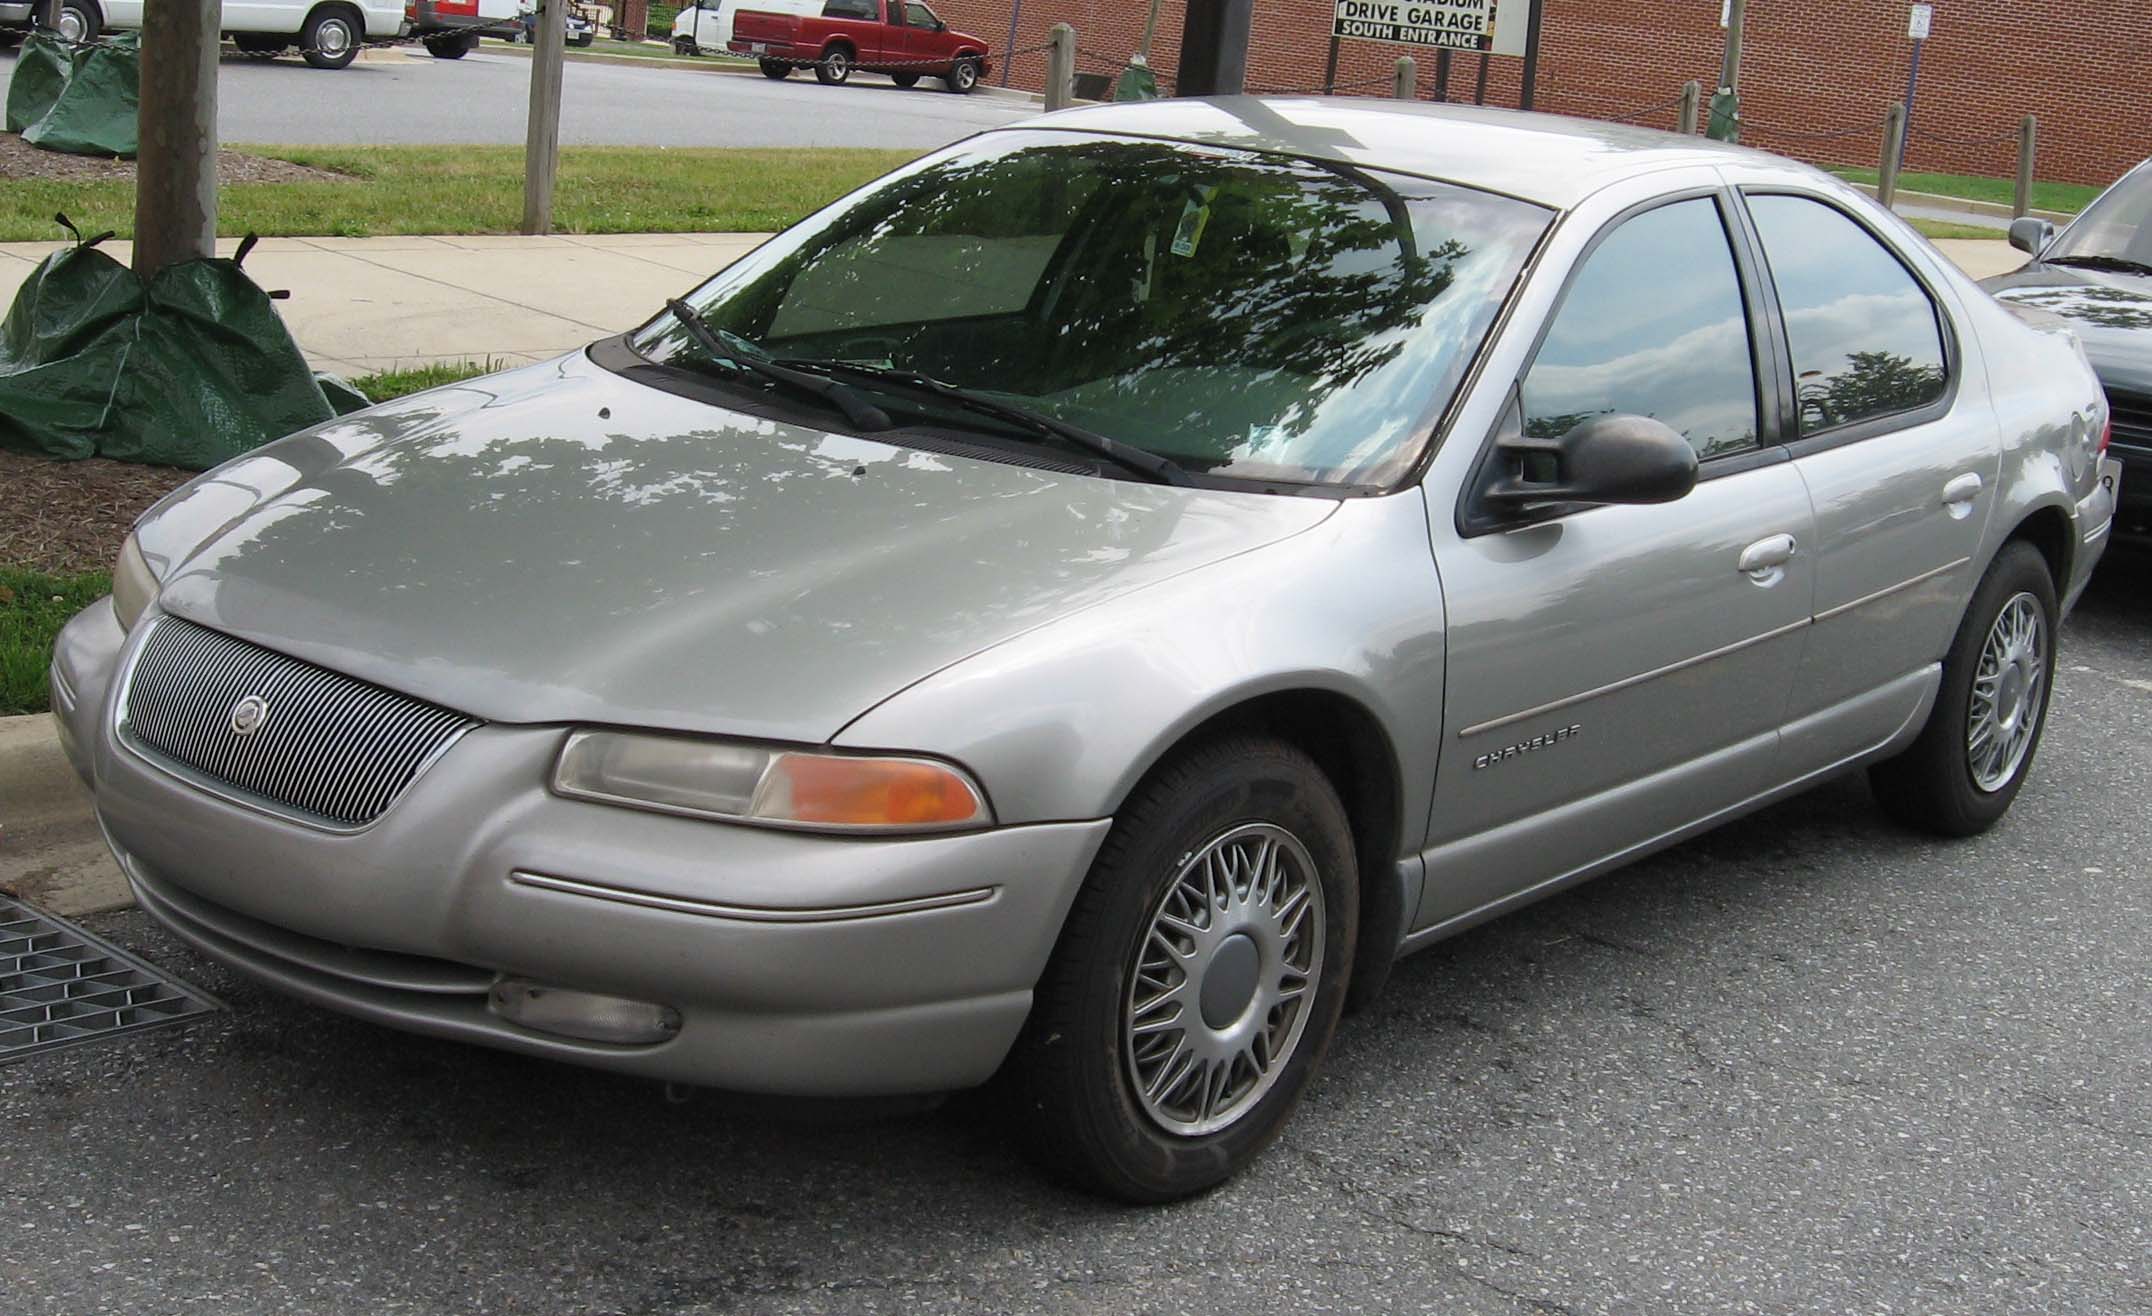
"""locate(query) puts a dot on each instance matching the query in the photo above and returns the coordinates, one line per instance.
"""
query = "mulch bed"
(64, 517)
(19, 159)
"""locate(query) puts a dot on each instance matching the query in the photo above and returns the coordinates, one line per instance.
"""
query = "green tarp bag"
(189, 369)
(42, 68)
(95, 111)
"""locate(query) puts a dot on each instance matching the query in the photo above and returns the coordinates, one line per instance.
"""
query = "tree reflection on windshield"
(1249, 316)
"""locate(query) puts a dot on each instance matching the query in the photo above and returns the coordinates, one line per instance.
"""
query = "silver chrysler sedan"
(1076, 610)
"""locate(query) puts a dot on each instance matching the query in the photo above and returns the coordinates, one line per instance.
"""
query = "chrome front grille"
(2132, 414)
(325, 745)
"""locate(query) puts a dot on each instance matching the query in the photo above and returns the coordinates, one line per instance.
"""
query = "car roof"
(1547, 158)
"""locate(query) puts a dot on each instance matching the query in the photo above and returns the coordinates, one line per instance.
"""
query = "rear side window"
(1865, 337)
(1653, 326)
(871, 10)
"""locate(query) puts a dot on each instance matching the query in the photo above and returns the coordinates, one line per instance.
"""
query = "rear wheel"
(905, 79)
(1198, 978)
(451, 45)
(835, 67)
(81, 20)
(776, 70)
(1962, 773)
(330, 39)
(963, 76)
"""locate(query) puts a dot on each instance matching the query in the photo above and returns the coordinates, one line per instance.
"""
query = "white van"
(328, 32)
(705, 26)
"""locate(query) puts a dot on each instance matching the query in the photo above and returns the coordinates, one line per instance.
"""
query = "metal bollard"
(1060, 67)
(1692, 100)
(2028, 145)
(1408, 78)
(1893, 154)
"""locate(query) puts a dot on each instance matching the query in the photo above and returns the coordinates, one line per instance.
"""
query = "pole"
(1692, 99)
(1330, 69)
(1214, 48)
(1893, 154)
(1060, 67)
(1730, 67)
(176, 126)
(1912, 83)
(2028, 144)
(1408, 79)
(1150, 29)
(1479, 87)
(1531, 57)
(1016, 11)
(541, 139)
(1442, 74)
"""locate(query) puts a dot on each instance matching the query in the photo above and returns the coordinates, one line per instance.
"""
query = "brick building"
(1816, 75)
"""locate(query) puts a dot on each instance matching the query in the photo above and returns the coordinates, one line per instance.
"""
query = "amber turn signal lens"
(819, 790)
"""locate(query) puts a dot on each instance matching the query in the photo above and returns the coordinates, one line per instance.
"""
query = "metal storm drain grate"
(59, 985)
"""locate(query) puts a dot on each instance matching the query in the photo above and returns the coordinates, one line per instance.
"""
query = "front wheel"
(330, 39)
(835, 68)
(776, 70)
(1198, 978)
(1962, 773)
(81, 20)
(963, 76)
(260, 45)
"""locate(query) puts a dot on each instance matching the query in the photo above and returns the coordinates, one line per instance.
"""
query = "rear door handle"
(1961, 491)
(1765, 560)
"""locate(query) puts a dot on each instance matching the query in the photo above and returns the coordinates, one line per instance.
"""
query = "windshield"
(1246, 316)
(2117, 225)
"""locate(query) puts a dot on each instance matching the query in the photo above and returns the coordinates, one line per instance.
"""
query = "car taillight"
(2107, 436)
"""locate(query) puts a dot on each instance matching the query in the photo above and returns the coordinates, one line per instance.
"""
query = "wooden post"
(1408, 78)
(1692, 100)
(541, 133)
(1479, 84)
(1330, 70)
(2028, 145)
(1893, 153)
(176, 169)
(1442, 74)
(1530, 91)
(1060, 67)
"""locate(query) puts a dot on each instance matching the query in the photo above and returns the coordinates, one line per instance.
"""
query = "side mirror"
(1605, 459)
(2031, 234)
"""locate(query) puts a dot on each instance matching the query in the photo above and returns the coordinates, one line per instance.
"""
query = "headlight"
(133, 585)
(775, 787)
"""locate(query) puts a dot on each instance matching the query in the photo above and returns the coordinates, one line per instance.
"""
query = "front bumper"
(798, 964)
(14, 15)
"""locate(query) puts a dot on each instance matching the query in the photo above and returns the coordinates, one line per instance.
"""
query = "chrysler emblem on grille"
(249, 714)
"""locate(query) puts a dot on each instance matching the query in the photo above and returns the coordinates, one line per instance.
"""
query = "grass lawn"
(479, 189)
(2068, 198)
(33, 607)
(1936, 228)
(396, 383)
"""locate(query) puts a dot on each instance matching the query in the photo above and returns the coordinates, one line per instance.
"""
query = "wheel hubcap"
(2005, 708)
(333, 38)
(1218, 997)
(71, 25)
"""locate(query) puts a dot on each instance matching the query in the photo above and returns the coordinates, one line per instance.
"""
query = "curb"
(1990, 209)
(52, 853)
(712, 65)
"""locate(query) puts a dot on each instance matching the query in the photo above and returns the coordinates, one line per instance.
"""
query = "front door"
(1617, 672)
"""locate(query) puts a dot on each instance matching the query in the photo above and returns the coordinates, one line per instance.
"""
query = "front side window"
(918, 15)
(1654, 325)
(1864, 335)
(2116, 227)
(1247, 316)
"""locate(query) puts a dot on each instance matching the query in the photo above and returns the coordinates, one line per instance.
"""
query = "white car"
(328, 32)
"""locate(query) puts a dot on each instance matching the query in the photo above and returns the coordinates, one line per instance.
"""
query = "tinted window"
(1862, 330)
(2118, 225)
(1247, 315)
(1652, 326)
(867, 9)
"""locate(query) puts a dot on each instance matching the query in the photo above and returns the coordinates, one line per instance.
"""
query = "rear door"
(1899, 448)
(1618, 672)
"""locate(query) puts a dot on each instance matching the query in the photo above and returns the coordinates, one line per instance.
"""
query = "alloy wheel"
(2007, 689)
(1223, 979)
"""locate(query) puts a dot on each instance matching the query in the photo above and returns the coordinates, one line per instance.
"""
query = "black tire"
(10, 38)
(963, 76)
(451, 45)
(85, 15)
(776, 70)
(261, 45)
(1070, 1081)
(323, 25)
(686, 46)
(905, 79)
(834, 69)
(1935, 784)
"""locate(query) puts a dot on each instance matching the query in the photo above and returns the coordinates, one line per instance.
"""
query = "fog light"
(585, 1015)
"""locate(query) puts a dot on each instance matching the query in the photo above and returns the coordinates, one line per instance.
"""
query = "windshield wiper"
(1163, 470)
(862, 413)
(2120, 264)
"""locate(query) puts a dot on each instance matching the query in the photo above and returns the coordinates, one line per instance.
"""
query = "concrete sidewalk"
(360, 305)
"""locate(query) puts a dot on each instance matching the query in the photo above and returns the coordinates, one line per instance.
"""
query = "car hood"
(560, 544)
(2111, 312)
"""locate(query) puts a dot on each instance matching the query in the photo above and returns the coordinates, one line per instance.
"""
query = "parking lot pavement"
(1808, 1063)
(483, 98)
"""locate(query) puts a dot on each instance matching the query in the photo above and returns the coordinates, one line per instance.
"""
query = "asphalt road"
(1808, 1063)
(482, 98)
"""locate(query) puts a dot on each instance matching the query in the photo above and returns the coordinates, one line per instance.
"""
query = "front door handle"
(1765, 560)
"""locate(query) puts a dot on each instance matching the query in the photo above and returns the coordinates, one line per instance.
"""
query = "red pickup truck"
(902, 38)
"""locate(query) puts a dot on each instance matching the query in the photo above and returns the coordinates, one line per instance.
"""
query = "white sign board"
(1442, 24)
(1923, 19)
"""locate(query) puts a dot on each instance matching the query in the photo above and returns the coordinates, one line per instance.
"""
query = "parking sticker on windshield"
(1195, 216)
